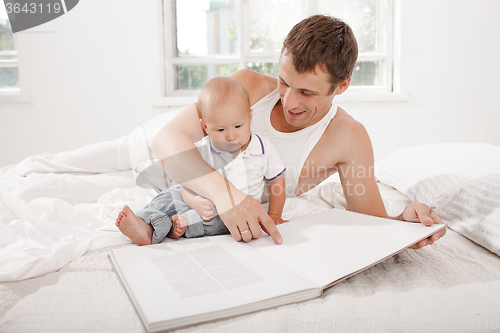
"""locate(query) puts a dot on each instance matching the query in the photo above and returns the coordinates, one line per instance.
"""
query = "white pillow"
(461, 181)
(426, 172)
(473, 209)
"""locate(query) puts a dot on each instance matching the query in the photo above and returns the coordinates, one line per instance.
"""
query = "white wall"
(94, 76)
(91, 76)
(450, 67)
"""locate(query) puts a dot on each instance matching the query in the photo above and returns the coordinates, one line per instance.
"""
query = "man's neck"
(279, 123)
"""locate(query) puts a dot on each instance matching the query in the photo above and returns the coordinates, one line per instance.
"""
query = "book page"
(332, 245)
(189, 277)
(203, 271)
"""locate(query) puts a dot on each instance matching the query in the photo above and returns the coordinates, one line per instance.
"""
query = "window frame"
(10, 59)
(387, 28)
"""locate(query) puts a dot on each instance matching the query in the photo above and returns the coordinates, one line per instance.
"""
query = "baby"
(247, 160)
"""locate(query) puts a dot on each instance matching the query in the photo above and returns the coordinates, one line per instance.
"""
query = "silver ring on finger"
(244, 232)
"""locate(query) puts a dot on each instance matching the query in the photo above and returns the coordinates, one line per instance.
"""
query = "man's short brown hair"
(325, 41)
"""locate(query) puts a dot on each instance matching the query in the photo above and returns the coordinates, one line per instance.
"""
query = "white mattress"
(450, 286)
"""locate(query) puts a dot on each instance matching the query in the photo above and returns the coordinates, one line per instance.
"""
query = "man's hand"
(419, 212)
(245, 220)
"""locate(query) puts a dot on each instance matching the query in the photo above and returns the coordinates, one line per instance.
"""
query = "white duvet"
(56, 207)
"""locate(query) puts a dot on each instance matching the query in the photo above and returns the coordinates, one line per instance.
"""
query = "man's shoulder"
(258, 85)
(344, 124)
(345, 135)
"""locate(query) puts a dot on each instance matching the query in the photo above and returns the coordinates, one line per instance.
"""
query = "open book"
(189, 281)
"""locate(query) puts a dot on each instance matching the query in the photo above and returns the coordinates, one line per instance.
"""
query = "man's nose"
(290, 100)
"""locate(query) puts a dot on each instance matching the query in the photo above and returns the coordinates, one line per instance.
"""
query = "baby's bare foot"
(121, 215)
(179, 226)
(134, 227)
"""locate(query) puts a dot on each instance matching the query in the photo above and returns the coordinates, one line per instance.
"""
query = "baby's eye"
(220, 130)
(237, 126)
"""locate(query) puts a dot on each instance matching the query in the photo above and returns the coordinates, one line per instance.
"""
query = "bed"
(57, 215)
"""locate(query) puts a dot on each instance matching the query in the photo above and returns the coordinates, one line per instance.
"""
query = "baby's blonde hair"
(220, 90)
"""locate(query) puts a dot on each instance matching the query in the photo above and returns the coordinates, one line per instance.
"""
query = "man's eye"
(306, 93)
(283, 83)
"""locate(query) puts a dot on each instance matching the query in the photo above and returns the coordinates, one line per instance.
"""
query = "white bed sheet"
(73, 288)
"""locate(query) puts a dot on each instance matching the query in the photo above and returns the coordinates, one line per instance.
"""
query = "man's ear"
(342, 86)
(203, 125)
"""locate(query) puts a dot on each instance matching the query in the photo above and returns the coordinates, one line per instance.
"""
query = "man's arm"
(258, 85)
(356, 172)
(174, 147)
(277, 197)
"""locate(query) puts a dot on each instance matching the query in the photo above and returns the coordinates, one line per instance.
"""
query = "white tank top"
(293, 148)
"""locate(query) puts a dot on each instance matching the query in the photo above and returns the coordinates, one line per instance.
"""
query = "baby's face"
(229, 125)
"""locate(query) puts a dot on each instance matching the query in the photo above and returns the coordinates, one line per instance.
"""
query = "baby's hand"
(201, 205)
(277, 219)
(204, 207)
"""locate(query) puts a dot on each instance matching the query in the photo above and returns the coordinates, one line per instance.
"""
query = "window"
(9, 73)
(208, 38)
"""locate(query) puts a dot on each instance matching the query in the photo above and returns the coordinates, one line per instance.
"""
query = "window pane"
(9, 77)
(367, 73)
(206, 27)
(6, 36)
(194, 77)
(361, 15)
(209, 28)
(271, 20)
(266, 68)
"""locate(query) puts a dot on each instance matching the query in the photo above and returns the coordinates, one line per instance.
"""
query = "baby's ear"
(203, 125)
(251, 111)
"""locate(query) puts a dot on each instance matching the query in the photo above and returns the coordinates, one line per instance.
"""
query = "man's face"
(228, 125)
(305, 96)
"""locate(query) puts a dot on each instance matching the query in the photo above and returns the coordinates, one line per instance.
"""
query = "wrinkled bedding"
(57, 215)
(450, 284)
(461, 181)
(55, 207)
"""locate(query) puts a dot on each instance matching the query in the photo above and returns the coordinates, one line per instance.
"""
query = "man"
(314, 138)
